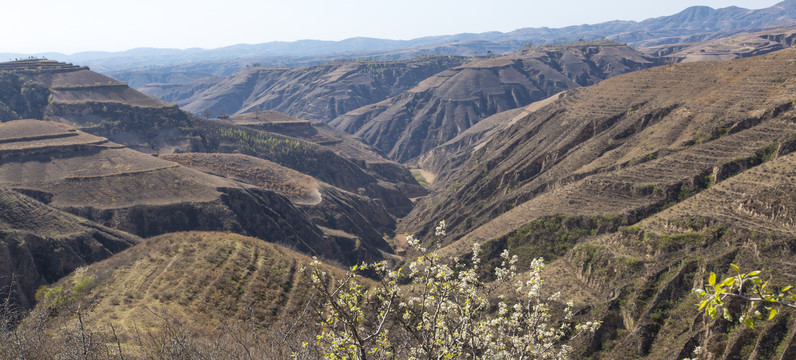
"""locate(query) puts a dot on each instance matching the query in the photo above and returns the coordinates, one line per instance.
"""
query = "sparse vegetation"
(418, 175)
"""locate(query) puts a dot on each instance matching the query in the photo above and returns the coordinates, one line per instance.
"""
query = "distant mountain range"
(697, 23)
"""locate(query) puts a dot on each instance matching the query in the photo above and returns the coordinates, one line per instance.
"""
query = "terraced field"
(643, 275)
(204, 286)
(217, 274)
(699, 166)
(728, 48)
(315, 132)
(141, 194)
(760, 200)
(337, 212)
(660, 128)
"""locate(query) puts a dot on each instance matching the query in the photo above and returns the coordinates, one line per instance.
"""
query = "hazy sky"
(69, 26)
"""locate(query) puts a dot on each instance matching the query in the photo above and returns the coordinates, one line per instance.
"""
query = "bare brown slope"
(40, 244)
(366, 157)
(444, 105)
(319, 92)
(74, 95)
(623, 146)
(297, 187)
(446, 158)
(320, 162)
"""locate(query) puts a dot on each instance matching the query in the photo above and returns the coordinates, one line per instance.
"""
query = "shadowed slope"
(39, 244)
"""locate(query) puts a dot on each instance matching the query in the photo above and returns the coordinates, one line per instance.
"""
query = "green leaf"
(754, 273)
(785, 289)
(773, 313)
(727, 315)
(712, 279)
(702, 304)
(736, 267)
(750, 323)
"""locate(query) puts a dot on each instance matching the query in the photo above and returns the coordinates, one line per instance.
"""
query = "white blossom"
(441, 310)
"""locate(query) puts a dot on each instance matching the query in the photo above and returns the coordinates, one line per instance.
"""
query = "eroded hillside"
(102, 107)
(319, 92)
(40, 244)
(637, 187)
(446, 104)
(144, 195)
(627, 145)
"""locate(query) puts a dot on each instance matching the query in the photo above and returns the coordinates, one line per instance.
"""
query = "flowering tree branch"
(436, 310)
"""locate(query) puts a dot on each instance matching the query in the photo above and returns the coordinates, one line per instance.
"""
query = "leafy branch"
(750, 288)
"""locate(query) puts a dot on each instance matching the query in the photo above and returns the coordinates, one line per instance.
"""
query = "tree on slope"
(430, 309)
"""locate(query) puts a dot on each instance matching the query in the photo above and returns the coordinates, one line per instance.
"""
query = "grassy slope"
(199, 284)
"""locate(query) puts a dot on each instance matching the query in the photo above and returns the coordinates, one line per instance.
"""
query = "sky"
(38, 26)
